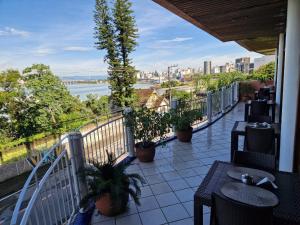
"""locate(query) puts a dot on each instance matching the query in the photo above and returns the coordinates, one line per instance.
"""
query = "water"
(82, 90)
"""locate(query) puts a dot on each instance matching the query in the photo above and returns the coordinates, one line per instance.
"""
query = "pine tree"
(116, 33)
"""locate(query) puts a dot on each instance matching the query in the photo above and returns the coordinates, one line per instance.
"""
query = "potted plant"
(147, 127)
(110, 186)
(182, 118)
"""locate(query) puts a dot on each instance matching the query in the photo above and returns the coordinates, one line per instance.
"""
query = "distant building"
(216, 70)
(251, 68)
(243, 64)
(207, 67)
(258, 62)
(222, 69)
(229, 67)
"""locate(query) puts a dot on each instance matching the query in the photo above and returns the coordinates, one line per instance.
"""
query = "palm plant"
(111, 178)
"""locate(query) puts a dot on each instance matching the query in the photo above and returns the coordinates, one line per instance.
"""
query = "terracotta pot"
(145, 154)
(107, 207)
(185, 135)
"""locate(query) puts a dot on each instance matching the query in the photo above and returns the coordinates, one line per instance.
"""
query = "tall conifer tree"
(116, 32)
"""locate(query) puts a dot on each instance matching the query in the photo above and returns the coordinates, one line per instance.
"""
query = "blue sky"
(59, 33)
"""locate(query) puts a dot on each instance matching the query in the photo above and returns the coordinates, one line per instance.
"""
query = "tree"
(265, 72)
(99, 105)
(116, 32)
(10, 93)
(48, 100)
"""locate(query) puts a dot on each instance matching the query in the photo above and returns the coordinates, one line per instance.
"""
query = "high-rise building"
(222, 69)
(258, 62)
(243, 64)
(216, 70)
(207, 67)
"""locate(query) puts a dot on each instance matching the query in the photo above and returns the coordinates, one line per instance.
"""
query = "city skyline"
(60, 34)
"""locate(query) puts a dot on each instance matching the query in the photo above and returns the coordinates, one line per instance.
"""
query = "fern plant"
(112, 178)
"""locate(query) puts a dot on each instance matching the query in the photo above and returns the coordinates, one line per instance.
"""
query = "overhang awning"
(254, 24)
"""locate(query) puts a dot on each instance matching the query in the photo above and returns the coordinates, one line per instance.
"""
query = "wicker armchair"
(260, 140)
(255, 160)
(259, 119)
(225, 211)
(259, 108)
(263, 94)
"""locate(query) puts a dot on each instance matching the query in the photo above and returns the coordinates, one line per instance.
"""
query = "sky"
(59, 33)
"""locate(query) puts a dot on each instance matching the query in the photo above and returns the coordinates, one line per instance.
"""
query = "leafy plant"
(183, 116)
(111, 178)
(148, 125)
(265, 72)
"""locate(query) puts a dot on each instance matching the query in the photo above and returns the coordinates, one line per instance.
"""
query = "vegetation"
(183, 116)
(181, 95)
(116, 32)
(265, 72)
(171, 83)
(111, 178)
(99, 105)
(147, 125)
(35, 104)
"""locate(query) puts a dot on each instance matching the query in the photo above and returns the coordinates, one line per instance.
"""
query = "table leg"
(198, 212)
(234, 144)
(246, 111)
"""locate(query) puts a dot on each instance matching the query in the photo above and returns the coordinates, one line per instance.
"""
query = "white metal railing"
(54, 198)
(51, 199)
(109, 137)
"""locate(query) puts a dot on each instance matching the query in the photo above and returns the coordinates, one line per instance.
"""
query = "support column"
(129, 134)
(290, 87)
(280, 61)
(276, 63)
(77, 161)
(209, 107)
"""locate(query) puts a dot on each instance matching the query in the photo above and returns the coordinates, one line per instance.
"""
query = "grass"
(16, 150)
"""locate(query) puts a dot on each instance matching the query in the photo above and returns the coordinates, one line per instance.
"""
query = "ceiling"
(254, 24)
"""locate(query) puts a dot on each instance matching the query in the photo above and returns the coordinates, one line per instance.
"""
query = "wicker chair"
(255, 160)
(225, 211)
(259, 108)
(263, 94)
(260, 140)
(259, 119)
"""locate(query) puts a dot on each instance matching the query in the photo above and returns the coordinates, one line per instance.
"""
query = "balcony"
(174, 176)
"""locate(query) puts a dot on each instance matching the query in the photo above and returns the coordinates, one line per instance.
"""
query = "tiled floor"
(175, 175)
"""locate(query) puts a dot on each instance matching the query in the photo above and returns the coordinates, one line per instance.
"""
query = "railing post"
(223, 99)
(232, 94)
(209, 107)
(129, 135)
(237, 91)
(77, 162)
(174, 104)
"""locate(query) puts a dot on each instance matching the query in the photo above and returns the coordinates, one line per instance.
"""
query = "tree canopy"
(116, 32)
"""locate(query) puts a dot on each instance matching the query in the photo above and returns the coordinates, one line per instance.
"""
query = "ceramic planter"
(145, 154)
(185, 135)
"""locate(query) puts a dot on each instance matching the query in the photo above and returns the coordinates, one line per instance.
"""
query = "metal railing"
(55, 197)
(216, 102)
(51, 199)
(109, 137)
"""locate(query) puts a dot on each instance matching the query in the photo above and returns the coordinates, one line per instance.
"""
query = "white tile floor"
(174, 176)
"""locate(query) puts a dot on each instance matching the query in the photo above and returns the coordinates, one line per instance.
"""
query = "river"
(82, 90)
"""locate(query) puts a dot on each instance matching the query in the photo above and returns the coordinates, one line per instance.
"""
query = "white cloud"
(177, 39)
(42, 51)
(10, 31)
(76, 49)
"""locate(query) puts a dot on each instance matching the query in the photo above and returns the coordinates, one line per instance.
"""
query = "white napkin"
(265, 180)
